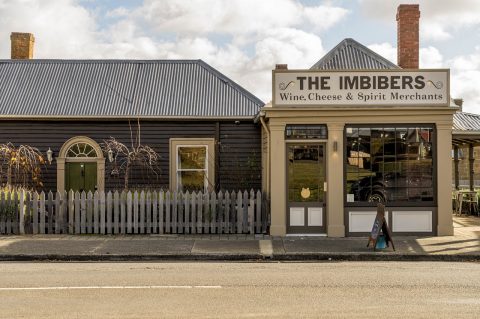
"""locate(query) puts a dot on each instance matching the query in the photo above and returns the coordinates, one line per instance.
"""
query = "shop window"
(300, 132)
(192, 164)
(390, 164)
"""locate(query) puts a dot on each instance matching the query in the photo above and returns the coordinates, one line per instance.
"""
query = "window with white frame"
(192, 164)
(192, 167)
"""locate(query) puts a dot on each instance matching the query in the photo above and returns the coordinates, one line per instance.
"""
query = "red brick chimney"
(408, 17)
(22, 45)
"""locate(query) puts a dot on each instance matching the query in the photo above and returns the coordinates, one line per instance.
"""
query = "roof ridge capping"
(351, 54)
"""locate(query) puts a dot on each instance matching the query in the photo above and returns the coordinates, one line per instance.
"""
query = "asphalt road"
(240, 290)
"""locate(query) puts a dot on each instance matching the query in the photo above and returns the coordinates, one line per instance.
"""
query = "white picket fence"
(136, 212)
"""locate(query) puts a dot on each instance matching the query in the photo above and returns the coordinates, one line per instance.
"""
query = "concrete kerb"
(295, 257)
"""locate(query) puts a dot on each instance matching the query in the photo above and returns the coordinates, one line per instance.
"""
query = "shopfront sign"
(361, 88)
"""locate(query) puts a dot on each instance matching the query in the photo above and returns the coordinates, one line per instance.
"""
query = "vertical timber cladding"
(361, 88)
(239, 146)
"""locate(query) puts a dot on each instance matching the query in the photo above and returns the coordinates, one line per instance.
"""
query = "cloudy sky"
(244, 39)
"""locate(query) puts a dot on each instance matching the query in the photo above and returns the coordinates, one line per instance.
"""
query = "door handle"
(324, 186)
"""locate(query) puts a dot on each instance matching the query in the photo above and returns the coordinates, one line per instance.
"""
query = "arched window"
(81, 150)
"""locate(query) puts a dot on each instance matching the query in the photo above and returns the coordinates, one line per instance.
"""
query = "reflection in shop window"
(389, 164)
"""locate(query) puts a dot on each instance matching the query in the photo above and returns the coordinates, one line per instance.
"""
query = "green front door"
(81, 176)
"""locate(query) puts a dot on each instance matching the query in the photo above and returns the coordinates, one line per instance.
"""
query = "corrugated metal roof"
(351, 55)
(466, 122)
(121, 88)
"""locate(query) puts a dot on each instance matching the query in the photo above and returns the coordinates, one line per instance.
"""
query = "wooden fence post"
(123, 212)
(167, 213)
(16, 210)
(3, 217)
(58, 212)
(106, 215)
(245, 211)
(239, 213)
(213, 210)
(258, 210)
(96, 212)
(199, 212)
(227, 213)
(34, 213)
(21, 213)
(135, 212)
(251, 213)
(174, 212)
(49, 213)
(71, 211)
(161, 219)
(64, 208)
(206, 212)
(148, 212)
(101, 212)
(83, 212)
(193, 219)
(116, 213)
(233, 211)
(220, 211)
(186, 213)
(89, 212)
(155, 216)
(129, 213)
(78, 212)
(42, 213)
(141, 224)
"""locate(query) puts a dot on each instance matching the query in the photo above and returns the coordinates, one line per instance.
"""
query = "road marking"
(266, 247)
(108, 287)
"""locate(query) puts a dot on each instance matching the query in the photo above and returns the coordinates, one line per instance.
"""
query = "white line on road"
(108, 287)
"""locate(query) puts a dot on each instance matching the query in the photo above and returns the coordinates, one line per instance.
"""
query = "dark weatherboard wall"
(238, 162)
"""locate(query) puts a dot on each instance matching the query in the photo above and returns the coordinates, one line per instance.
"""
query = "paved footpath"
(463, 246)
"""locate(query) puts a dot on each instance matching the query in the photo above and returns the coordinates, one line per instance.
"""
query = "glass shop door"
(305, 189)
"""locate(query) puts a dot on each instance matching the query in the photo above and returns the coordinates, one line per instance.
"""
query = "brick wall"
(408, 17)
(22, 45)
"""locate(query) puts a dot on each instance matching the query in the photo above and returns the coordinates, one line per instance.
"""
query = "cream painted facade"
(277, 117)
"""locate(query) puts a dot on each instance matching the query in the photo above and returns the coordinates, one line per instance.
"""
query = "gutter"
(261, 117)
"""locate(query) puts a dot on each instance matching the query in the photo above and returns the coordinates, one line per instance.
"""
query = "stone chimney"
(408, 17)
(22, 45)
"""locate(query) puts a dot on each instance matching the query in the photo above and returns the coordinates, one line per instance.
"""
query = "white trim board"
(412, 221)
(362, 221)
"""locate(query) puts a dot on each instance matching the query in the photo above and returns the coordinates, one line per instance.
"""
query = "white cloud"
(386, 50)
(439, 19)
(324, 17)
(61, 28)
(465, 76)
(431, 58)
(242, 38)
(235, 17)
